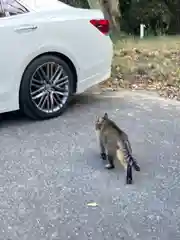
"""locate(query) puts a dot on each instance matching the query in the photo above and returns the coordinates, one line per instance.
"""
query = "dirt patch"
(152, 64)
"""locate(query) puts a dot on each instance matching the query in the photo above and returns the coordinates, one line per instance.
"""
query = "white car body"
(54, 29)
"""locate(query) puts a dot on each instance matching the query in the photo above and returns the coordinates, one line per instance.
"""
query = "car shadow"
(18, 118)
(83, 100)
(14, 117)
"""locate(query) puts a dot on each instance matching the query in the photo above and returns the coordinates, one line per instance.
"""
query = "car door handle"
(26, 28)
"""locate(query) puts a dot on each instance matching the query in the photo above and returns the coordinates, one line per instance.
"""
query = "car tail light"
(102, 25)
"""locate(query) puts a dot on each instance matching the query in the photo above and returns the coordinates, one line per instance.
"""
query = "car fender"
(43, 50)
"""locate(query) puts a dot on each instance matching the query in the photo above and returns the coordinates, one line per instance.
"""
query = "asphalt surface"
(51, 170)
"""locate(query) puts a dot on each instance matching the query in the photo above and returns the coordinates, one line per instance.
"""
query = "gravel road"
(51, 170)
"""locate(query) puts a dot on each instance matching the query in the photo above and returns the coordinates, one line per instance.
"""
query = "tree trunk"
(111, 11)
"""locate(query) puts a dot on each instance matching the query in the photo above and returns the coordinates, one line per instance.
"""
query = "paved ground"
(50, 170)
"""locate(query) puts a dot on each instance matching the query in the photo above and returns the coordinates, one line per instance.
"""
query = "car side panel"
(13, 49)
(68, 32)
(91, 51)
(90, 47)
(17, 50)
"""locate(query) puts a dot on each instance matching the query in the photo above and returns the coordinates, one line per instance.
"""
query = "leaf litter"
(146, 65)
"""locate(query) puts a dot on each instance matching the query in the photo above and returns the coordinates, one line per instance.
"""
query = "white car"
(50, 51)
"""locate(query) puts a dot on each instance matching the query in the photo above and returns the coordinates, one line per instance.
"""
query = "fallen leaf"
(92, 204)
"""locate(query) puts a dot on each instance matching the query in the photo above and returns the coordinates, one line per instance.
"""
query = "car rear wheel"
(46, 87)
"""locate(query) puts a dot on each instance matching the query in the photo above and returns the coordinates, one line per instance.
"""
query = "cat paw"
(103, 156)
(129, 181)
(137, 167)
(109, 166)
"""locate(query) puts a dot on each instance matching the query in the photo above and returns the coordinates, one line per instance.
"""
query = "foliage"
(155, 14)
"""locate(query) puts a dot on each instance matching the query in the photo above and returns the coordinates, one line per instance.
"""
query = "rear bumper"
(100, 71)
(93, 80)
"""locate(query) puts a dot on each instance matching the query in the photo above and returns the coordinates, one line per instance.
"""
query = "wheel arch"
(63, 57)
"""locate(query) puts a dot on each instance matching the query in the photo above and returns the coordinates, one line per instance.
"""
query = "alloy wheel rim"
(49, 87)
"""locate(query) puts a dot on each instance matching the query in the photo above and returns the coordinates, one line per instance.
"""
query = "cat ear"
(105, 116)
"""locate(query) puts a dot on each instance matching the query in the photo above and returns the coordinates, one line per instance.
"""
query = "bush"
(154, 14)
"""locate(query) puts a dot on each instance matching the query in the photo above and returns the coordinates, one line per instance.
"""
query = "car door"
(15, 43)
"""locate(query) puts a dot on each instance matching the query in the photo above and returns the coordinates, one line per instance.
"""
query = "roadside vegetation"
(152, 64)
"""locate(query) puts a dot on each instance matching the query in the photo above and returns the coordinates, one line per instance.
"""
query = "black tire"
(25, 100)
